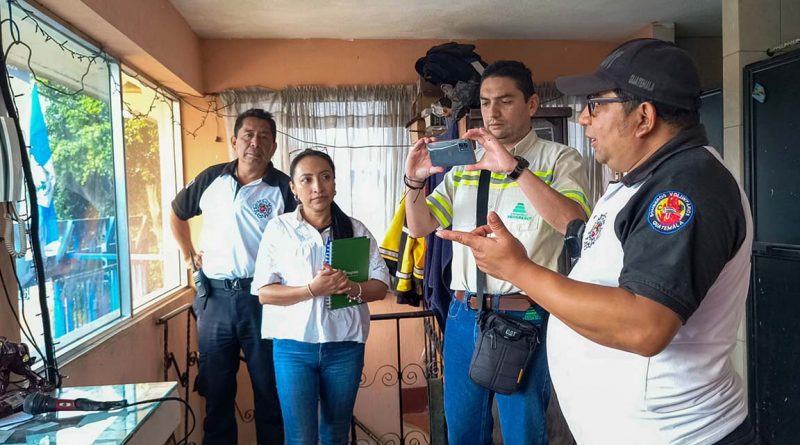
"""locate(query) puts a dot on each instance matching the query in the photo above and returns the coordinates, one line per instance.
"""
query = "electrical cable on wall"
(13, 218)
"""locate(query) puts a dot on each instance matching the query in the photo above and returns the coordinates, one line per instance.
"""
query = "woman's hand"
(418, 162)
(329, 281)
(496, 157)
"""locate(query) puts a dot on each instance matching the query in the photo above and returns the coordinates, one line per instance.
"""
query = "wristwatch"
(522, 164)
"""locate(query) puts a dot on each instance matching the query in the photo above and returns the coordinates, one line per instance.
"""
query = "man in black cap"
(641, 332)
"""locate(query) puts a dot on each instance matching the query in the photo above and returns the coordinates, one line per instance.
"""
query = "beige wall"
(279, 63)
(149, 35)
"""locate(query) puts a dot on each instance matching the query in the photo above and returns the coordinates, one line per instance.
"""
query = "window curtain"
(361, 127)
(237, 101)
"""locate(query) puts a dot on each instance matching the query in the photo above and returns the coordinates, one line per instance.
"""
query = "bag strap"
(480, 219)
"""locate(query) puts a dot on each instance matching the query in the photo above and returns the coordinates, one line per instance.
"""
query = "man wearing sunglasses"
(641, 332)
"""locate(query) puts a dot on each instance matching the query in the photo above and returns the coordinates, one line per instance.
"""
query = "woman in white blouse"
(318, 352)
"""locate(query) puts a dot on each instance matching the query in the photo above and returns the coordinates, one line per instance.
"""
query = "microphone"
(38, 403)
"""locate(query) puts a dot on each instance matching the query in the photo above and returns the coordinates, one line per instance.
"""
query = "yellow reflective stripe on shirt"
(546, 176)
(579, 197)
(441, 209)
(498, 181)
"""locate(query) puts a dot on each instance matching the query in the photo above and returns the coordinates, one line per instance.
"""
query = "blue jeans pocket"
(456, 309)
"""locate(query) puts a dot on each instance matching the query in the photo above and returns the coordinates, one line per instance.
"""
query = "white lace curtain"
(361, 127)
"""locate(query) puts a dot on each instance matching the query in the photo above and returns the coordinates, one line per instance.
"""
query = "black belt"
(234, 284)
(509, 302)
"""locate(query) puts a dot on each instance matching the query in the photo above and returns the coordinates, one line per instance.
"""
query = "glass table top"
(90, 428)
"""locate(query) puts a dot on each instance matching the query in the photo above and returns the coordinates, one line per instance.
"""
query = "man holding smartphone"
(238, 198)
(537, 187)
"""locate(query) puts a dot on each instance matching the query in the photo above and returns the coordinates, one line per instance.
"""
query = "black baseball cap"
(648, 68)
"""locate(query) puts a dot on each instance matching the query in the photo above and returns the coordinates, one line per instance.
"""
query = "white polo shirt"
(454, 203)
(678, 231)
(235, 216)
(291, 253)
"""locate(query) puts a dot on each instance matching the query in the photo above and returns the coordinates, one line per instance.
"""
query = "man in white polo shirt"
(237, 199)
(641, 332)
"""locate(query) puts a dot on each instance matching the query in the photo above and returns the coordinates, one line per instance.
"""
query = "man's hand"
(329, 281)
(500, 256)
(196, 258)
(496, 157)
(418, 162)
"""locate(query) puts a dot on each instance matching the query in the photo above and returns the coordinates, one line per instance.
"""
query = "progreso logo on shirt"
(669, 212)
(519, 212)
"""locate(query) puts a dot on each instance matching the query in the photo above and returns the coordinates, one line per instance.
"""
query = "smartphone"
(452, 152)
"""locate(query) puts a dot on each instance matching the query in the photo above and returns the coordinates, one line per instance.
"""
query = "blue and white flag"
(44, 176)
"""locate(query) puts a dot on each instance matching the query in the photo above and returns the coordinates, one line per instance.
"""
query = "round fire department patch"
(262, 208)
(669, 212)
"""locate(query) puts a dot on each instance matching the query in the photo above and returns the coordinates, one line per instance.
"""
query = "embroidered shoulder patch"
(262, 208)
(669, 212)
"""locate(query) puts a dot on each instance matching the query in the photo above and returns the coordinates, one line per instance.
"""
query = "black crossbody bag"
(505, 344)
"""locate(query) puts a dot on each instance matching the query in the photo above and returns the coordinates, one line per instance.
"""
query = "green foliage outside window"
(79, 128)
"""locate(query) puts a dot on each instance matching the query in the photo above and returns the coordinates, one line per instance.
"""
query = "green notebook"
(351, 256)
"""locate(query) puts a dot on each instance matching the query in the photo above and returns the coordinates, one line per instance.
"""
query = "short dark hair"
(677, 117)
(516, 71)
(257, 113)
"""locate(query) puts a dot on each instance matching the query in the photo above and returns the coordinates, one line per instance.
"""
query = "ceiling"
(605, 20)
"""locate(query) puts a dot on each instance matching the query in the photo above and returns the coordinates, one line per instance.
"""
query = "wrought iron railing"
(388, 375)
(405, 375)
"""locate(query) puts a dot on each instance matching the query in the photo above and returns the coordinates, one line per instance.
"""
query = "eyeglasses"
(593, 102)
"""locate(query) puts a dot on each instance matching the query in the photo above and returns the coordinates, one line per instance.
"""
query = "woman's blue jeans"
(468, 406)
(317, 387)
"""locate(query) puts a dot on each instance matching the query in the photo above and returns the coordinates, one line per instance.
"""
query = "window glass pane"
(150, 122)
(63, 97)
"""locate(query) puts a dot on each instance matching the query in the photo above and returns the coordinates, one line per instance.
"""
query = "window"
(151, 145)
(103, 148)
